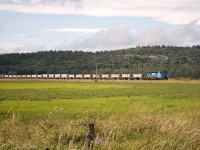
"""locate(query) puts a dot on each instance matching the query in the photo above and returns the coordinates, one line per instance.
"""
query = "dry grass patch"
(127, 131)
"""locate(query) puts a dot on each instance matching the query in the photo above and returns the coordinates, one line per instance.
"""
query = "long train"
(144, 76)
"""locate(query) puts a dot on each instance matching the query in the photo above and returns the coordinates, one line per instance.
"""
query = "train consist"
(144, 76)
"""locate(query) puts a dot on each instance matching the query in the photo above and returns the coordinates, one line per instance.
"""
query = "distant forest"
(176, 61)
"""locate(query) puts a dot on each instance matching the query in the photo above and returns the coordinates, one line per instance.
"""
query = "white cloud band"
(121, 36)
(80, 30)
(170, 11)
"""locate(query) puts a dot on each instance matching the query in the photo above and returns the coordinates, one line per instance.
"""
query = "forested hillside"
(176, 61)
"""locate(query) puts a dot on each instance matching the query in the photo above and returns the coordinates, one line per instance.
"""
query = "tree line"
(176, 61)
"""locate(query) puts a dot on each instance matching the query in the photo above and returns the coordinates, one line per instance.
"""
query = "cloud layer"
(30, 32)
(79, 30)
(121, 36)
(115, 37)
(188, 34)
(7, 47)
(170, 11)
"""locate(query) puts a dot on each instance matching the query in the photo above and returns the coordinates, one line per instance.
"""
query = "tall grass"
(127, 131)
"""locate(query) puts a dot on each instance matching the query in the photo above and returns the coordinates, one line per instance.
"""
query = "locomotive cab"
(155, 76)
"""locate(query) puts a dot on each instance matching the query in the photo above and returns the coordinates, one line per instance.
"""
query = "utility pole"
(96, 62)
(96, 65)
(142, 68)
(36, 68)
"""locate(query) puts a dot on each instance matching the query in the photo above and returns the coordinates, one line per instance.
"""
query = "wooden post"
(89, 139)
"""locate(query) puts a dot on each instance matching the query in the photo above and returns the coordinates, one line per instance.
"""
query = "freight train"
(145, 76)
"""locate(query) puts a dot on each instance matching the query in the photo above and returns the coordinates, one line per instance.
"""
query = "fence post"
(89, 139)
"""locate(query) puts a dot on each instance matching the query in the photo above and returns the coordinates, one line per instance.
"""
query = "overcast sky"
(90, 25)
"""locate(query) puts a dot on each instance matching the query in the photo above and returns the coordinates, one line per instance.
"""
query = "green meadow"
(53, 114)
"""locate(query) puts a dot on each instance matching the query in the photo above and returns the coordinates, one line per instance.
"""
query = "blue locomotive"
(155, 76)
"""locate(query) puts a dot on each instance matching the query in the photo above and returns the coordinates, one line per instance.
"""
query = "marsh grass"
(127, 115)
(128, 131)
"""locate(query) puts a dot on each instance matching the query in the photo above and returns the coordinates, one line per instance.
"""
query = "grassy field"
(52, 114)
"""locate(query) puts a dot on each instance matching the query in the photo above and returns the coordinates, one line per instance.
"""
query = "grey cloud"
(28, 48)
(186, 35)
(118, 36)
(122, 37)
(6, 47)
(192, 30)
